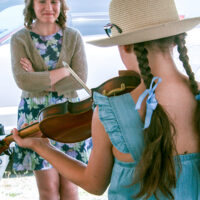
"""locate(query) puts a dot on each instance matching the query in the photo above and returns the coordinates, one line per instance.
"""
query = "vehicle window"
(88, 17)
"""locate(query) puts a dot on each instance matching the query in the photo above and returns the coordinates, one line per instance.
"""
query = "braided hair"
(156, 169)
(180, 41)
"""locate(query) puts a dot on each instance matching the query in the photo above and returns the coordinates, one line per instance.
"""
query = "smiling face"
(47, 11)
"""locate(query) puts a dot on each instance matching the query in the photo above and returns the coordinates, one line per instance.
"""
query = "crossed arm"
(55, 75)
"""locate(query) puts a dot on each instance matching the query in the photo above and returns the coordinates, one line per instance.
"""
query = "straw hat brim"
(148, 33)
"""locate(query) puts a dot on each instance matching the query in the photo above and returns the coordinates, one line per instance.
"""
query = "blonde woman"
(37, 54)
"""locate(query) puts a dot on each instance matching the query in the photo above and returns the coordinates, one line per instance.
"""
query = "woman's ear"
(128, 48)
(128, 57)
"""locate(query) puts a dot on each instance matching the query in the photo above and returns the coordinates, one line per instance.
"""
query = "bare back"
(176, 98)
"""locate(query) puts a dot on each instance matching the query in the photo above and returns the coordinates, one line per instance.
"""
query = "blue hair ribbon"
(197, 97)
(151, 102)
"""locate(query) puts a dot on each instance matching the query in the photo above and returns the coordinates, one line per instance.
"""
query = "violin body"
(70, 122)
(67, 122)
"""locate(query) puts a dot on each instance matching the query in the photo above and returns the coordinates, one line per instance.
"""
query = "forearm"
(58, 74)
(34, 81)
(72, 169)
(95, 176)
(77, 62)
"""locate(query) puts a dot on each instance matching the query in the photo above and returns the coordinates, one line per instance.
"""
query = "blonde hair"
(29, 14)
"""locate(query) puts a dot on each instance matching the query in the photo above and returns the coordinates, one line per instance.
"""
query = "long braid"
(152, 173)
(144, 64)
(180, 41)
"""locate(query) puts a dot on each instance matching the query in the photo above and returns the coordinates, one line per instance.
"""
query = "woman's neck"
(45, 29)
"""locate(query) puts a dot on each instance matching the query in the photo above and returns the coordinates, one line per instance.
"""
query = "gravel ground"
(25, 188)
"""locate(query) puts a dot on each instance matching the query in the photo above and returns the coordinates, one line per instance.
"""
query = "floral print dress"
(25, 160)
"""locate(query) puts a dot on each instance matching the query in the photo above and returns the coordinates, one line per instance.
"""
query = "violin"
(70, 122)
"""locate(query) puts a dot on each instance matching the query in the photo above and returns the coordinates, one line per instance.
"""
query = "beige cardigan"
(36, 84)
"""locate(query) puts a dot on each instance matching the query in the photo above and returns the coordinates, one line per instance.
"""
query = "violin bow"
(77, 78)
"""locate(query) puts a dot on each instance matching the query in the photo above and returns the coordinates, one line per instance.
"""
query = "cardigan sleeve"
(77, 61)
(37, 81)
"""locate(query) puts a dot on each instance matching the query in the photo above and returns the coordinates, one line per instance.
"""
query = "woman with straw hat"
(146, 142)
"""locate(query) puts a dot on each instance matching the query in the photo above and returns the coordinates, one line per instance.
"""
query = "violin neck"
(24, 132)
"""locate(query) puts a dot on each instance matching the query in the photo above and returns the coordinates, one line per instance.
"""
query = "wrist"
(36, 145)
(66, 71)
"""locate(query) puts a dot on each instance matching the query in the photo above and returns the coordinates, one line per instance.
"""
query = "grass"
(25, 188)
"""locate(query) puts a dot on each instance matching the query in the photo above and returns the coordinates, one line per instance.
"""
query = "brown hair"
(29, 14)
(156, 171)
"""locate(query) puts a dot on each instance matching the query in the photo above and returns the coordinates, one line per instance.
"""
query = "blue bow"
(151, 102)
(197, 97)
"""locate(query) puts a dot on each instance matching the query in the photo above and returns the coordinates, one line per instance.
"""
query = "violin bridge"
(115, 91)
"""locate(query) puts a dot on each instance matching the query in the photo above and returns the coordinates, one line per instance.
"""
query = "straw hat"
(144, 20)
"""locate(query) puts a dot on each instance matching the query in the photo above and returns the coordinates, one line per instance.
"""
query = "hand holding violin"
(30, 142)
